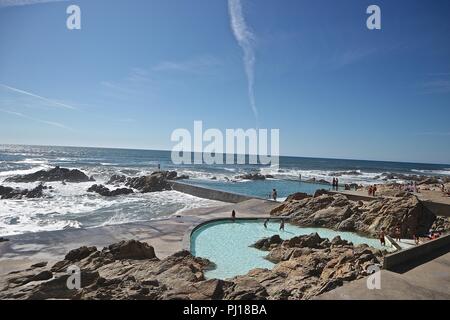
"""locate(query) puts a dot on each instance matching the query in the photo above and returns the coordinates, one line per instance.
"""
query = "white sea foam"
(5, 174)
(445, 172)
(345, 176)
(32, 161)
(202, 175)
(70, 206)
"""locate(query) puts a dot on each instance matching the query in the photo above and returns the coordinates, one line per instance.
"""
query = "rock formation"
(104, 191)
(125, 270)
(251, 176)
(157, 181)
(55, 174)
(11, 193)
(338, 213)
(306, 266)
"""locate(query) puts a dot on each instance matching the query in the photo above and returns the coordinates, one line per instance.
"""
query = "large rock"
(297, 196)
(338, 213)
(132, 249)
(251, 176)
(157, 181)
(55, 174)
(267, 243)
(10, 193)
(104, 191)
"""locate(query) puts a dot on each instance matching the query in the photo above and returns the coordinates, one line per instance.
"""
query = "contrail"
(63, 105)
(15, 3)
(245, 39)
(51, 123)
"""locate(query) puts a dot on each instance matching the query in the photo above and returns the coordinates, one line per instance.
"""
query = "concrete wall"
(438, 208)
(408, 256)
(210, 194)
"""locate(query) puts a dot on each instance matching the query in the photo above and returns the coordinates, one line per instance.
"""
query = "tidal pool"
(227, 244)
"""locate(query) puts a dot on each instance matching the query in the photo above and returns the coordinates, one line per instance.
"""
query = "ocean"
(71, 206)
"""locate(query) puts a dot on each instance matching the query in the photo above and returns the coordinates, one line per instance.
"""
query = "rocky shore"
(306, 266)
(55, 174)
(335, 211)
(155, 182)
(17, 194)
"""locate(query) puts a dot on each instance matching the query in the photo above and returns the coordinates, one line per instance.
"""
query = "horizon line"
(286, 156)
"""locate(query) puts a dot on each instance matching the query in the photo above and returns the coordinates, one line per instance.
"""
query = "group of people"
(335, 184)
(397, 233)
(411, 187)
(445, 191)
(266, 222)
(372, 191)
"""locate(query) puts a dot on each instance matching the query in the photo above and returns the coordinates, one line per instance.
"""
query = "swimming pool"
(261, 188)
(227, 244)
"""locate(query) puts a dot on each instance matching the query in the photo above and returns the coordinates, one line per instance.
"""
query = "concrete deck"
(429, 281)
(165, 235)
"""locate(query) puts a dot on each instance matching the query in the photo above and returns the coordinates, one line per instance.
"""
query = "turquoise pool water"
(262, 188)
(227, 244)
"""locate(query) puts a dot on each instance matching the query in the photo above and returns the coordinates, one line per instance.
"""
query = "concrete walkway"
(165, 235)
(428, 281)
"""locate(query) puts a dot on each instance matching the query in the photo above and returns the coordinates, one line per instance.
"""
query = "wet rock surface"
(55, 174)
(252, 176)
(11, 193)
(157, 181)
(104, 191)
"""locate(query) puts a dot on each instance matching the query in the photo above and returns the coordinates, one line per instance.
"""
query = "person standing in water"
(282, 225)
(233, 215)
(274, 194)
(265, 223)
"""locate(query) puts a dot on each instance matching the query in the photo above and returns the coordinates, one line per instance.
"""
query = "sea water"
(71, 206)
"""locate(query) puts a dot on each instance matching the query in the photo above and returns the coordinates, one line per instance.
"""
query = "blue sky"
(139, 69)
